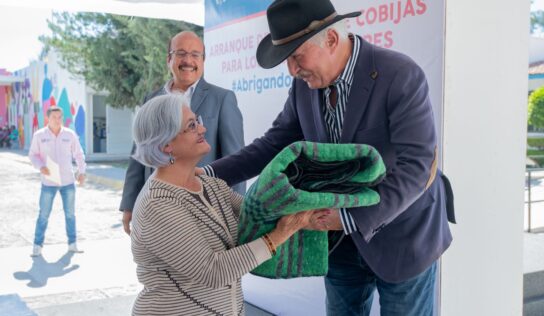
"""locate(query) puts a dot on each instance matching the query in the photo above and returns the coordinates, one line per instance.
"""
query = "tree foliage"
(537, 21)
(536, 108)
(125, 56)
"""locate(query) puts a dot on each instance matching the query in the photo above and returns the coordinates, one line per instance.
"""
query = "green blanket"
(307, 176)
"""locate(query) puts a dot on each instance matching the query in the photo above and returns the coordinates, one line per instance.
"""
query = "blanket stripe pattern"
(307, 176)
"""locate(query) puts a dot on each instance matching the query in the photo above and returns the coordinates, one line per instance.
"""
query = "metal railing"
(530, 201)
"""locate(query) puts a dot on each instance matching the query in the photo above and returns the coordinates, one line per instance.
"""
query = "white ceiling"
(183, 10)
(164, 1)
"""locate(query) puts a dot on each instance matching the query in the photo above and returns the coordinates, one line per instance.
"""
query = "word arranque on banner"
(236, 45)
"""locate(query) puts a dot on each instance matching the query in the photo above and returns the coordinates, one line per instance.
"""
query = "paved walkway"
(58, 281)
(101, 281)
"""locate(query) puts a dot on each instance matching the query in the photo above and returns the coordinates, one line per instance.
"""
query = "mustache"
(302, 74)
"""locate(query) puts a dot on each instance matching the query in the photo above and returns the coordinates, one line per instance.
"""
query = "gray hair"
(339, 27)
(156, 124)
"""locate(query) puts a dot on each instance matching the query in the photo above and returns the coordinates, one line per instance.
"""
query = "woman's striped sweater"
(185, 246)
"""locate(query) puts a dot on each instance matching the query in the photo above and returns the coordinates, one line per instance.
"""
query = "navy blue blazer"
(388, 108)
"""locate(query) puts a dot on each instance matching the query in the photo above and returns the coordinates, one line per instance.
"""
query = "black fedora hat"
(291, 23)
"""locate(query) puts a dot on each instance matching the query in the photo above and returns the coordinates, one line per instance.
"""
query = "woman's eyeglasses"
(192, 127)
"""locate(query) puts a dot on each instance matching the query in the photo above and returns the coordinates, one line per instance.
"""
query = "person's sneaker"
(73, 248)
(36, 251)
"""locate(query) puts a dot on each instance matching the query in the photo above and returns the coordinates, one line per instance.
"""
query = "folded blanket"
(307, 176)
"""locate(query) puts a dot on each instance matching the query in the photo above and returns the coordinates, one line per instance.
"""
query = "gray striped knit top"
(185, 246)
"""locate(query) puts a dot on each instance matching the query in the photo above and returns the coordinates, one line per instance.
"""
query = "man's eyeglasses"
(182, 54)
(192, 127)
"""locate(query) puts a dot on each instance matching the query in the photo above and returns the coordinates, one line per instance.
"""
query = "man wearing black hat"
(348, 91)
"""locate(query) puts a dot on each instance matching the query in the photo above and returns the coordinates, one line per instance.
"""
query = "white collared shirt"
(187, 93)
(61, 149)
(333, 114)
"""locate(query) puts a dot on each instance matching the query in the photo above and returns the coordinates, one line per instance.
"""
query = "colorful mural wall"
(4, 101)
(9, 132)
(46, 85)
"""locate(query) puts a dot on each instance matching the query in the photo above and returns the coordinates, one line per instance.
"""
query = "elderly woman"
(184, 237)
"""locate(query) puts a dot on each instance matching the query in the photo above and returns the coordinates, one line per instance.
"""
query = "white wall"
(484, 142)
(119, 130)
(536, 49)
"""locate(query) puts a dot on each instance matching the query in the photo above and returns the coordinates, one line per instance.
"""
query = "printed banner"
(234, 28)
(219, 12)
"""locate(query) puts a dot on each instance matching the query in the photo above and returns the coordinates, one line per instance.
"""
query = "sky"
(19, 32)
(23, 21)
(537, 5)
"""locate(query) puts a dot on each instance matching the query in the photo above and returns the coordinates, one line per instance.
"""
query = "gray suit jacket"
(225, 134)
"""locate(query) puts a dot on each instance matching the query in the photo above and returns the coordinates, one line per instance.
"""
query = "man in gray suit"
(217, 107)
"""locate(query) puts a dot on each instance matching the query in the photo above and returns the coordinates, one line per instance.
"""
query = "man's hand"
(81, 179)
(127, 217)
(44, 171)
(325, 219)
(199, 171)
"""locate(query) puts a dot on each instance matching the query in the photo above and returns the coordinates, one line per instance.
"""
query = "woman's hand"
(294, 222)
(288, 225)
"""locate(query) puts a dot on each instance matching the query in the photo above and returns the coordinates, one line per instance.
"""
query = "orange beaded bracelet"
(270, 244)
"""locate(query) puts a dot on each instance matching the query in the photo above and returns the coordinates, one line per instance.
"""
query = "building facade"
(104, 132)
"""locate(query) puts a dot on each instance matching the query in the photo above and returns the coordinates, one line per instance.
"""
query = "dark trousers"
(350, 285)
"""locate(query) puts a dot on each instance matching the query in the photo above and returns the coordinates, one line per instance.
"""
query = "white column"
(484, 154)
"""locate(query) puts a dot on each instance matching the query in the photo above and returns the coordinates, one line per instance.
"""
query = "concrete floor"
(101, 280)
(103, 276)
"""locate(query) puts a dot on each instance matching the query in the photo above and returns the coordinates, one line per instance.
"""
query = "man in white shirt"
(52, 150)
